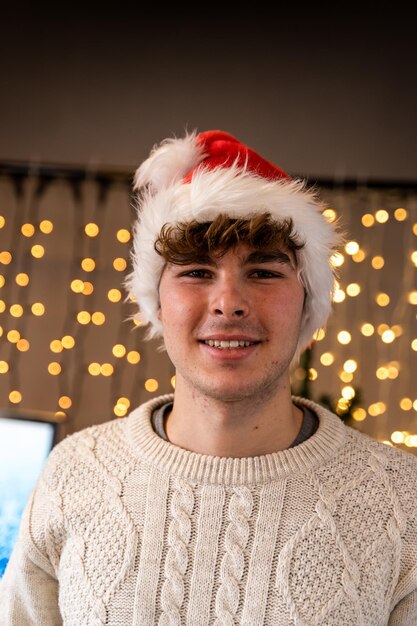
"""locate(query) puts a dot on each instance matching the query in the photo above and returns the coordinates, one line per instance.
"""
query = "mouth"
(228, 344)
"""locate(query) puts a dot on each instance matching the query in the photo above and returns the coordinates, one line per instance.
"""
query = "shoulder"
(363, 460)
(96, 450)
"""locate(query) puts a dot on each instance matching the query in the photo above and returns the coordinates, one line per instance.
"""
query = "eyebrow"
(267, 257)
(258, 256)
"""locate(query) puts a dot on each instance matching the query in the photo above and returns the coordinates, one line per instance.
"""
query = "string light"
(133, 357)
(120, 264)
(123, 235)
(37, 251)
(88, 265)
(377, 262)
(22, 280)
(368, 220)
(336, 364)
(46, 227)
(400, 214)
(151, 384)
(38, 309)
(91, 230)
(382, 216)
(28, 230)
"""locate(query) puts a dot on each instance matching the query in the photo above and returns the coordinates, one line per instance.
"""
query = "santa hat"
(199, 176)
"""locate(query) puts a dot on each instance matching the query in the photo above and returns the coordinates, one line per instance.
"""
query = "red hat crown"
(221, 149)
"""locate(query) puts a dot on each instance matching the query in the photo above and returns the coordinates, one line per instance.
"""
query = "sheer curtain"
(68, 344)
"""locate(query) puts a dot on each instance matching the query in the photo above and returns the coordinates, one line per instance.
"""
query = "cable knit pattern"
(177, 558)
(126, 528)
(233, 562)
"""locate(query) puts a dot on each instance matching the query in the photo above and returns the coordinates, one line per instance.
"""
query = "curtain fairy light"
(68, 345)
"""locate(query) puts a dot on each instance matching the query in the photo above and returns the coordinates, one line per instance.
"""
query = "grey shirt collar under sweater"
(308, 427)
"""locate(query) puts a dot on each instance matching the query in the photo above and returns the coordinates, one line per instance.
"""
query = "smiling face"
(231, 322)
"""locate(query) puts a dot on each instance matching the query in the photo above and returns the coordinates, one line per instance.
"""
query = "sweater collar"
(150, 448)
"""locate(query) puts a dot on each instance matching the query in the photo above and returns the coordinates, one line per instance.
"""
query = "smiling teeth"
(225, 345)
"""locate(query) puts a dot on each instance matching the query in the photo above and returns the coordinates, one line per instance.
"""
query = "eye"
(265, 274)
(197, 273)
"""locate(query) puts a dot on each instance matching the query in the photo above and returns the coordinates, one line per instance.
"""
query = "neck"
(238, 428)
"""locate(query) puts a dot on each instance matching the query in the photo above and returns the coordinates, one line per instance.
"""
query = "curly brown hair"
(188, 242)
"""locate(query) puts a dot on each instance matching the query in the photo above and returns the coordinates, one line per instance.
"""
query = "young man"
(229, 501)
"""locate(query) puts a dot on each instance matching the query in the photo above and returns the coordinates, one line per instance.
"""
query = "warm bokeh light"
(359, 414)
(352, 247)
(77, 285)
(106, 369)
(382, 299)
(68, 342)
(94, 369)
(2, 221)
(400, 214)
(91, 229)
(65, 402)
(88, 264)
(88, 288)
(119, 350)
(412, 297)
(56, 346)
(114, 295)
(120, 264)
(388, 336)
(28, 230)
(337, 259)
(98, 318)
(23, 345)
(16, 310)
(133, 357)
(339, 295)
(54, 368)
(344, 337)
(330, 215)
(173, 381)
(151, 384)
(15, 397)
(350, 365)
(367, 220)
(377, 262)
(327, 358)
(353, 289)
(5, 257)
(319, 334)
(37, 309)
(382, 216)
(37, 251)
(83, 317)
(123, 235)
(397, 436)
(13, 336)
(406, 404)
(348, 392)
(46, 227)
(4, 367)
(22, 279)
(359, 256)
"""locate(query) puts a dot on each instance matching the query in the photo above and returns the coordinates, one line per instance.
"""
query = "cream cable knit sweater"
(125, 529)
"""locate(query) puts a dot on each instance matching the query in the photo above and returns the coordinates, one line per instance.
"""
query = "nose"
(229, 300)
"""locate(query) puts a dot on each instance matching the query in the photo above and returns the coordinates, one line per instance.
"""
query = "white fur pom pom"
(168, 163)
